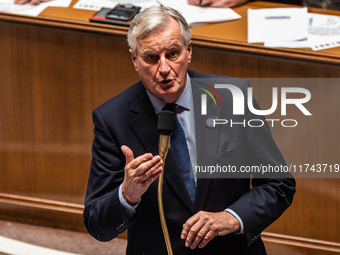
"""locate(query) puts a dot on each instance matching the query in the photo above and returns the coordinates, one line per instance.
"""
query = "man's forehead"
(169, 31)
(167, 44)
(160, 43)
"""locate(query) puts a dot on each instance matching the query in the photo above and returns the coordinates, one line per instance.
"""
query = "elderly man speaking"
(204, 215)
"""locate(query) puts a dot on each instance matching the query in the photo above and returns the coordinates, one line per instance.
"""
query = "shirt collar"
(183, 100)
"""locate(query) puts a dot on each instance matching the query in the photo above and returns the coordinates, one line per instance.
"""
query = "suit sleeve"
(104, 217)
(272, 193)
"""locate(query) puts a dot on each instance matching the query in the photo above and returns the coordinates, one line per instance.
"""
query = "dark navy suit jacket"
(129, 119)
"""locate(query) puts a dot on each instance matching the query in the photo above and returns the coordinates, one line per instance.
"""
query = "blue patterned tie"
(179, 149)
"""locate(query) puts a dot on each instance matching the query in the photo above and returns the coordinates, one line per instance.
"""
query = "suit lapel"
(207, 139)
(144, 120)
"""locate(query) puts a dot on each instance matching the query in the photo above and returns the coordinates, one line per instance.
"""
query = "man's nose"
(164, 67)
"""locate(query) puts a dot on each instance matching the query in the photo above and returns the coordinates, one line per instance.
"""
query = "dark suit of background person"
(130, 119)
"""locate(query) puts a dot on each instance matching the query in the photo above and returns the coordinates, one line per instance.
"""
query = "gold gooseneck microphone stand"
(165, 128)
(163, 151)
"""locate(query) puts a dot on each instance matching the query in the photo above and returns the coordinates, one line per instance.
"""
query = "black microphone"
(166, 122)
(165, 127)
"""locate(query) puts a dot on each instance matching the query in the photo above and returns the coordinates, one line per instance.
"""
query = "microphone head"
(166, 122)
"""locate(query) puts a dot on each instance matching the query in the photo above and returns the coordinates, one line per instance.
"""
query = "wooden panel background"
(51, 81)
(52, 78)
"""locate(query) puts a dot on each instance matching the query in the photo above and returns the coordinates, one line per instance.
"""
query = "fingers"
(34, 2)
(217, 3)
(195, 233)
(139, 173)
(187, 226)
(147, 170)
(21, 1)
(31, 2)
(201, 228)
(208, 236)
(202, 3)
(142, 168)
(145, 164)
(205, 3)
(203, 236)
(227, 3)
(128, 153)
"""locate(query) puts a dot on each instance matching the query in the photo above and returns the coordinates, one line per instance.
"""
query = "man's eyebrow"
(156, 52)
(149, 52)
(175, 47)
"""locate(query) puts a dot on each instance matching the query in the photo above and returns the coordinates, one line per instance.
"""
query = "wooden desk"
(57, 67)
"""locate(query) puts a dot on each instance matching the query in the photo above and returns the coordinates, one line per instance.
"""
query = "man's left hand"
(201, 228)
(31, 2)
(217, 3)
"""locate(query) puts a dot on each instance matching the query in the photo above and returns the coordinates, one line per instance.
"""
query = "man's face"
(162, 61)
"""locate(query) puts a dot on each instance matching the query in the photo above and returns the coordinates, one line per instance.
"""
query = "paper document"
(98, 4)
(277, 24)
(31, 10)
(194, 15)
(197, 16)
(323, 33)
(293, 28)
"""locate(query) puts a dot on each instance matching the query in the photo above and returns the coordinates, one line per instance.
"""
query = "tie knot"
(170, 107)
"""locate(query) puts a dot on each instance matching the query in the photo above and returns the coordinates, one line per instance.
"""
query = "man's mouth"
(166, 82)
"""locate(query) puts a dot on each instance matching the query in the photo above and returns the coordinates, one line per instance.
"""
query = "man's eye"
(173, 55)
(151, 58)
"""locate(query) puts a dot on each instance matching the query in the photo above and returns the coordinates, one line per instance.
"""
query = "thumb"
(128, 153)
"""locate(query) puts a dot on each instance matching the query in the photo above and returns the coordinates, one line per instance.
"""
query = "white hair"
(152, 18)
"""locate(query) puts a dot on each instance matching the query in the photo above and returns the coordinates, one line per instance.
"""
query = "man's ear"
(189, 49)
(133, 58)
